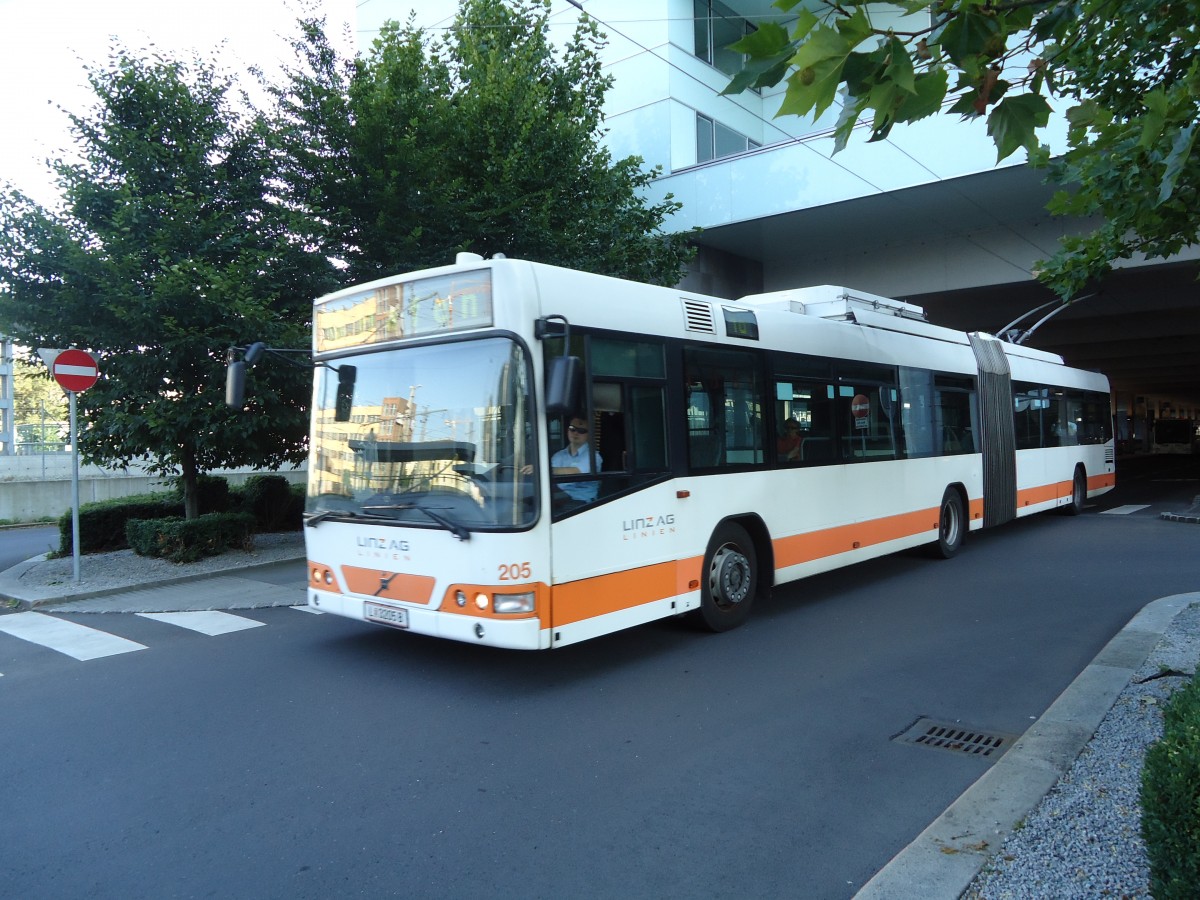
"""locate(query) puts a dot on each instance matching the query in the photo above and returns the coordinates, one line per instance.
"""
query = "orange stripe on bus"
(802, 548)
(1043, 493)
(1095, 482)
(588, 597)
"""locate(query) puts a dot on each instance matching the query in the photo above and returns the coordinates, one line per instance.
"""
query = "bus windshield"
(438, 436)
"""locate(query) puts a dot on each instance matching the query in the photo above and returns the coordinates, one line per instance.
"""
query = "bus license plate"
(386, 615)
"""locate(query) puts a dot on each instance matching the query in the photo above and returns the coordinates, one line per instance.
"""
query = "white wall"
(38, 487)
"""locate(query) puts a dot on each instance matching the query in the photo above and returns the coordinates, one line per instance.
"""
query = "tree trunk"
(189, 478)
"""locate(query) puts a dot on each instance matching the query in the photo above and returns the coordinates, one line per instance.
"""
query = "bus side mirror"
(564, 378)
(235, 384)
(343, 402)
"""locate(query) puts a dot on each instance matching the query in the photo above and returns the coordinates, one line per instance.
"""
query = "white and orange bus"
(724, 447)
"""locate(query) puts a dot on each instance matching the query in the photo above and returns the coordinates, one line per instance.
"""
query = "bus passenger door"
(613, 556)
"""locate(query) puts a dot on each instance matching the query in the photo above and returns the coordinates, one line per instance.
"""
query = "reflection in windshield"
(439, 436)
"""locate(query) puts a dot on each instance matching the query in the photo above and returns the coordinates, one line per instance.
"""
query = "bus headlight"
(513, 603)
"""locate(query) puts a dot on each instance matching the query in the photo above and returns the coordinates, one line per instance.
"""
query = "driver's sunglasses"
(577, 429)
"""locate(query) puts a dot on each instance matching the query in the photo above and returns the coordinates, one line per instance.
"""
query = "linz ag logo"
(647, 527)
(381, 548)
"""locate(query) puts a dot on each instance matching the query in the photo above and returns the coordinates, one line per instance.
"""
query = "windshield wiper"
(449, 524)
(314, 520)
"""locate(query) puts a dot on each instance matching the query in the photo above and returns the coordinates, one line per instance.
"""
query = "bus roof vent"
(698, 316)
(828, 301)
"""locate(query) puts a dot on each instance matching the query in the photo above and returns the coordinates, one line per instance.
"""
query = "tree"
(168, 248)
(486, 139)
(1127, 70)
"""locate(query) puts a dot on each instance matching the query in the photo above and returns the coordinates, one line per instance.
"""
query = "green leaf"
(929, 90)
(899, 69)
(1013, 122)
(766, 42)
(852, 109)
(1052, 24)
(1177, 160)
(967, 35)
(812, 89)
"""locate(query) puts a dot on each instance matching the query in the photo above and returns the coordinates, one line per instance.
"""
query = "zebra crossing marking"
(1124, 510)
(69, 638)
(208, 621)
(308, 609)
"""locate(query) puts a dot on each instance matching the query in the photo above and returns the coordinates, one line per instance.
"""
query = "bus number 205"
(514, 571)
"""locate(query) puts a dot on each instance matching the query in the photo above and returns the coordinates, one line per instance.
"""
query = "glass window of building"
(716, 27)
(715, 141)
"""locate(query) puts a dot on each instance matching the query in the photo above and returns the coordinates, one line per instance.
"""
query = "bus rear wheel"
(1078, 494)
(952, 525)
(730, 579)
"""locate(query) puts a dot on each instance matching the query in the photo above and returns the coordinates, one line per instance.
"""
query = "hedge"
(187, 540)
(102, 524)
(273, 501)
(1171, 800)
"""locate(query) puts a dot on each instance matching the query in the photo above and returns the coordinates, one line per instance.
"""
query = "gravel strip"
(100, 572)
(1083, 841)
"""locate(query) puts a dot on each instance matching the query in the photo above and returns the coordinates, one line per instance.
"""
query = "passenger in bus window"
(788, 444)
(576, 459)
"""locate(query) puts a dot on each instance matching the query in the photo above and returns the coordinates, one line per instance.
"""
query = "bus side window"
(725, 408)
(809, 404)
(649, 439)
(868, 409)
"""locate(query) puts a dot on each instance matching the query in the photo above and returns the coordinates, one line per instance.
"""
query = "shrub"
(187, 540)
(269, 498)
(102, 524)
(212, 494)
(1171, 800)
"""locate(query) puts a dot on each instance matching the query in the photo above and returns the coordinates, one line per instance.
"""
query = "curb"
(1192, 515)
(945, 858)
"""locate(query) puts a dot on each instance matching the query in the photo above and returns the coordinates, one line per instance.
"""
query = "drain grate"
(956, 738)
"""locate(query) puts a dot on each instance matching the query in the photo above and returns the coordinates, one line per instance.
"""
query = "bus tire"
(730, 578)
(1078, 494)
(952, 525)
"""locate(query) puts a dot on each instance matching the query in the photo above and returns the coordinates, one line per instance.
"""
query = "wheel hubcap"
(730, 577)
(949, 523)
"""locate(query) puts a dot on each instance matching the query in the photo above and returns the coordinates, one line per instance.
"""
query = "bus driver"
(576, 459)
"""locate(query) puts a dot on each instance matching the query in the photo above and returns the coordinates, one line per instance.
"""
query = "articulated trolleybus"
(524, 456)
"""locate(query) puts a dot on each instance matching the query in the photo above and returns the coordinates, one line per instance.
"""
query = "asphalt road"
(18, 544)
(319, 757)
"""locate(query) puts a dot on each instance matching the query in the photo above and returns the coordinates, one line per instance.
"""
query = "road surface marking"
(78, 641)
(1124, 510)
(209, 621)
(308, 609)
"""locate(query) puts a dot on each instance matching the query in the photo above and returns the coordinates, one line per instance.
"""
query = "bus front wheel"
(730, 579)
(952, 525)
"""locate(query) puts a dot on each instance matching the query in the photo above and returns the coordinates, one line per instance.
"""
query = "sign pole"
(74, 428)
(75, 371)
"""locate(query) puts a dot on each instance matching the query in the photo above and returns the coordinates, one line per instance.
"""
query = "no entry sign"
(75, 370)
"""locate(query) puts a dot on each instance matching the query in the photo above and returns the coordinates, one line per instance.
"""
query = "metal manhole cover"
(956, 737)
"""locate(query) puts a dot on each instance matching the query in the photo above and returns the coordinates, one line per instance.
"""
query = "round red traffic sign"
(75, 370)
(860, 409)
